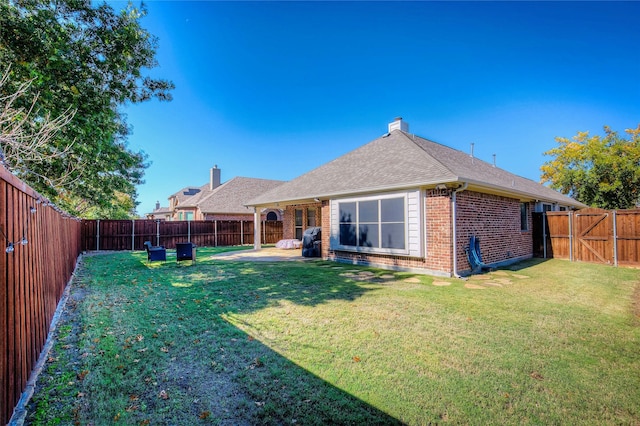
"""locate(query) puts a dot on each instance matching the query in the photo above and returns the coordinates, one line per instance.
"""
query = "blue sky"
(275, 89)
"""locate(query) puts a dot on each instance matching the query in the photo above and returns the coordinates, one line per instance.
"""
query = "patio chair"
(186, 251)
(155, 252)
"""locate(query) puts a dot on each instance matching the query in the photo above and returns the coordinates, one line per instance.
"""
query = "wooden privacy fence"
(131, 234)
(39, 252)
(589, 235)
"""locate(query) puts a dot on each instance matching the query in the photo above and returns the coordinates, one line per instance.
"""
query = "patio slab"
(270, 254)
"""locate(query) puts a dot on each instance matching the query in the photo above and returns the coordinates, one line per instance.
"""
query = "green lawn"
(236, 343)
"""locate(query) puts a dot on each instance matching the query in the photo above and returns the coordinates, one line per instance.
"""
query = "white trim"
(413, 227)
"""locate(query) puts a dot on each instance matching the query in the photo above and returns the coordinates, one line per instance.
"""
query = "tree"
(598, 171)
(85, 63)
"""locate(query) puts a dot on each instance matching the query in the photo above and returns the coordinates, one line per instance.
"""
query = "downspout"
(455, 233)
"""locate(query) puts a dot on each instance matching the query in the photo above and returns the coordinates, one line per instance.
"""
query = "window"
(373, 224)
(311, 217)
(524, 216)
(298, 224)
(272, 216)
(189, 216)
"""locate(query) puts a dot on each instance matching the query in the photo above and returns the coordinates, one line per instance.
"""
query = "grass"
(237, 343)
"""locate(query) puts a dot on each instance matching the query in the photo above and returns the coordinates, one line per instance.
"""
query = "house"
(160, 213)
(218, 201)
(404, 202)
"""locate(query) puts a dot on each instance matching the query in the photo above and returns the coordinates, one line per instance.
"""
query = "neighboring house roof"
(400, 160)
(187, 193)
(159, 211)
(198, 194)
(231, 196)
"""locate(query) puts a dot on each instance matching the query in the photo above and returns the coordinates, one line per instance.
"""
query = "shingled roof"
(231, 196)
(188, 196)
(400, 160)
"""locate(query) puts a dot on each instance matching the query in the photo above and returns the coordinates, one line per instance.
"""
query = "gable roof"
(187, 194)
(399, 160)
(231, 196)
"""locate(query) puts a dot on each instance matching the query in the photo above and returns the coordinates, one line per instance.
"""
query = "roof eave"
(311, 198)
(481, 186)
(522, 194)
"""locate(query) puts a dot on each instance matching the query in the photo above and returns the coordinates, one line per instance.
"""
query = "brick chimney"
(398, 124)
(157, 205)
(214, 177)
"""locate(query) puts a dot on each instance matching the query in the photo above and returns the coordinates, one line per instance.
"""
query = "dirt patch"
(441, 283)
(492, 283)
(480, 277)
(474, 286)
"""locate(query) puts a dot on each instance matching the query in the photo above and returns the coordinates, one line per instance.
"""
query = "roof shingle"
(401, 160)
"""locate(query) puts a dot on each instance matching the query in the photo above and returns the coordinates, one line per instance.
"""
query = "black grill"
(312, 242)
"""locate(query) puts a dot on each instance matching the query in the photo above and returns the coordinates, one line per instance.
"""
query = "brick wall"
(496, 221)
(437, 205)
(288, 218)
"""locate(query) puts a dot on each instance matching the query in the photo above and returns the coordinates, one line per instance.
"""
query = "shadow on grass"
(154, 346)
(524, 264)
(246, 286)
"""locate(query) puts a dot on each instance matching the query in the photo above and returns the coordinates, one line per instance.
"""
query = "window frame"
(524, 216)
(311, 217)
(298, 229)
(337, 245)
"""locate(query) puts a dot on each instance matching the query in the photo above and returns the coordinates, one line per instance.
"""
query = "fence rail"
(589, 235)
(131, 234)
(40, 249)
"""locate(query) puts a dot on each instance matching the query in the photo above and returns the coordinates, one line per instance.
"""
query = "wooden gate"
(593, 236)
(590, 235)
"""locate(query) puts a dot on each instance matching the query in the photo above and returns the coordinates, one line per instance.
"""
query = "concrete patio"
(268, 254)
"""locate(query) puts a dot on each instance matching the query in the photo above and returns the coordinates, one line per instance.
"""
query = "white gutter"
(455, 233)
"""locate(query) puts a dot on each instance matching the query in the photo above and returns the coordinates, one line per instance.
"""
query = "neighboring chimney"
(398, 124)
(214, 178)
(157, 205)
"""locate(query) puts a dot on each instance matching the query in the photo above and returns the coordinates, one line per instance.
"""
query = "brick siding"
(288, 218)
(496, 221)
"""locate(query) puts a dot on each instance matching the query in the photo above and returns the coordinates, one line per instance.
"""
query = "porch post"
(257, 243)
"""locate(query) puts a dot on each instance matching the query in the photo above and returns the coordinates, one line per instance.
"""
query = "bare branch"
(25, 139)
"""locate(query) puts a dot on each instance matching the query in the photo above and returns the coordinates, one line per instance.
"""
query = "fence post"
(215, 233)
(133, 234)
(264, 231)
(615, 240)
(188, 231)
(544, 234)
(157, 232)
(98, 236)
(570, 236)
(242, 232)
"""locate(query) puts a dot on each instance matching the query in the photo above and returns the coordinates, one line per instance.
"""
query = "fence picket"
(591, 235)
(32, 279)
(131, 235)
